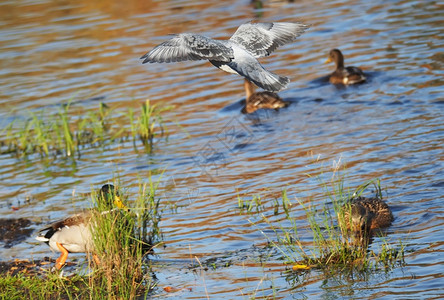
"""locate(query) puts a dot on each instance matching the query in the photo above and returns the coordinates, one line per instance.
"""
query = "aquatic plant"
(67, 132)
(248, 205)
(119, 270)
(122, 240)
(332, 246)
(145, 125)
(255, 204)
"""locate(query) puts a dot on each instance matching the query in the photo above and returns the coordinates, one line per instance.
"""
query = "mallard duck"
(74, 234)
(365, 215)
(344, 75)
(238, 55)
(256, 100)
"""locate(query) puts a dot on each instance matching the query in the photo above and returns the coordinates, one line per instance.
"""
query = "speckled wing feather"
(263, 38)
(371, 204)
(188, 46)
(381, 215)
(354, 75)
(73, 220)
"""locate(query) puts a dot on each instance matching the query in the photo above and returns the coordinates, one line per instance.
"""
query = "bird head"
(360, 220)
(111, 197)
(336, 56)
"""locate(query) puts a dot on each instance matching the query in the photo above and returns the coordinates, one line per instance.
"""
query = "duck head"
(360, 221)
(336, 56)
(110, 198)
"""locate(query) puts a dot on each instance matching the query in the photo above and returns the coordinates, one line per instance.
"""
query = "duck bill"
(328, 60)
(119, 204)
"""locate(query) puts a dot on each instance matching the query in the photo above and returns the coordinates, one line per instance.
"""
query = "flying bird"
(237, 55)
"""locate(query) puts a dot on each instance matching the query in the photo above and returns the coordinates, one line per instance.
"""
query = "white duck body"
(73, 233)
(75, 239)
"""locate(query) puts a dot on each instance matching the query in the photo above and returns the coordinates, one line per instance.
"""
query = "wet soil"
(14, 231)
(26, 267)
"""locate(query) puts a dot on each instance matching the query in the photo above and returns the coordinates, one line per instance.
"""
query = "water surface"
(389, 128)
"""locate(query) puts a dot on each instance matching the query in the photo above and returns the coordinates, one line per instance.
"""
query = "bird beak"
(119, 204)
(328, 60)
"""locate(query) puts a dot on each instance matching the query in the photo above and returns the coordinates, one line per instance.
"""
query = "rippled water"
(389, 128)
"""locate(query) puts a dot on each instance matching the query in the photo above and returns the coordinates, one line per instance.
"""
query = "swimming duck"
(344, 75)
(238, 55)
(365, 215)
(74, 233)
(256, 100)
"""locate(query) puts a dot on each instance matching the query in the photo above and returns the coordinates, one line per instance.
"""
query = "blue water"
(390, 128)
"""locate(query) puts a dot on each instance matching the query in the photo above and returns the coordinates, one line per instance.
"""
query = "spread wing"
(188, 46)
(263, 38)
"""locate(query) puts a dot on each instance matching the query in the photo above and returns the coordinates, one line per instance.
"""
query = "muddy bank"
(26, 267)
(14, 231)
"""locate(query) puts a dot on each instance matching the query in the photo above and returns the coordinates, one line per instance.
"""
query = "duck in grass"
(237, 55)
(365, 215)
(257, 100)
(342, 74)
(74, 234)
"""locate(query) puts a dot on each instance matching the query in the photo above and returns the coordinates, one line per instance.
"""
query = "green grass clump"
(51, 286)
(256, 205)
(145, 126)
(67, 132)
(118, 268)
(332, 246)
(122, 241)
(250, 205)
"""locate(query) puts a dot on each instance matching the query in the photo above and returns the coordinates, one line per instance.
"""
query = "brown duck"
(75, 233)
(257, 100)
(342, 74)
(365, 215)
